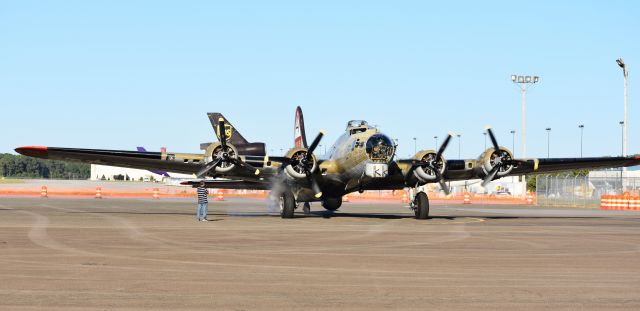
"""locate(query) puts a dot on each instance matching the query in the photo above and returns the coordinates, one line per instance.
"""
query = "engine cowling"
(424, 173)
(297, 167)
(491, 157)
(215, 151)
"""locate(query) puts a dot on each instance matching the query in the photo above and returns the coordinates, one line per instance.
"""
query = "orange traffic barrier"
(98, 193)
(220, 196)
(43, 192)
(345, 199)
(156, 194)
(467, 199)
(620, 202)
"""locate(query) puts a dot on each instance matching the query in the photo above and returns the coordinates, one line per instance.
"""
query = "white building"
(105, 172)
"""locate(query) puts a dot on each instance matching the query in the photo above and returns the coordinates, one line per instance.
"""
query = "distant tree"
(25, 167)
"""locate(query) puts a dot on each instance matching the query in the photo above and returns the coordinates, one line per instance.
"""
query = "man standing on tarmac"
(203, 202)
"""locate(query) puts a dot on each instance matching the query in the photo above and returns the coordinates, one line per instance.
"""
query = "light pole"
(459, 145)
(622, 65)
(436, 138)
(523, 83)
(581, 126)
(513, 142)
(548, 135)
(485, 140)
(623, 141)
(415, 145)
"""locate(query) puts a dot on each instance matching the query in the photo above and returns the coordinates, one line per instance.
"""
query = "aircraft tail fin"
(299, 137)
(233, 136)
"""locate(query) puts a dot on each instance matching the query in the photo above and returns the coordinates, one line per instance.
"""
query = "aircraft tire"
(332, 204)
(287, 204)
(421, 203)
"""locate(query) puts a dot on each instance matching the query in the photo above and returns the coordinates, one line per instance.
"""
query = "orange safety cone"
(98, 193)
(467, 199)
(43, 192)
(405, 198)
(220, 196)
(156, 194)
(345, 199)
(529, 198)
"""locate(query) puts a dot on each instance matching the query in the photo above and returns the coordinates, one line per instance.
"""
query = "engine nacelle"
(215, 151)
(426, 174)
(296, 169)
(490, 158)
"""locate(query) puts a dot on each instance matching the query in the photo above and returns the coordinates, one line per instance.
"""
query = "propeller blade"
(493, 139)
(491, 175)
(222, 134)
(444, 145)
(444, 186)
(314, 144)
(314, 185)
(208, 167)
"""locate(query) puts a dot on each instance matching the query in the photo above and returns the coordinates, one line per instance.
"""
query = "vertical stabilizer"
(299, 138)
(233, 136)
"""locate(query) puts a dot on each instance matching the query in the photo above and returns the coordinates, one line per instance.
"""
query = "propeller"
(304, 164)
(222, 157)
(433, 164)
(502, 159)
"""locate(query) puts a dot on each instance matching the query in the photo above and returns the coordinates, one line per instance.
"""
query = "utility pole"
(548, 135)
(581, 126)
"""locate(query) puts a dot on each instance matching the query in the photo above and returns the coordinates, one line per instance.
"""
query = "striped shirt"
(202, 195)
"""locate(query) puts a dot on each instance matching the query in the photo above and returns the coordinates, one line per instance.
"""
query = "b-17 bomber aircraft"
(363, 158)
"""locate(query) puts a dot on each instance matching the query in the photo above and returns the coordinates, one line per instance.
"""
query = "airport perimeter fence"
(582, 191)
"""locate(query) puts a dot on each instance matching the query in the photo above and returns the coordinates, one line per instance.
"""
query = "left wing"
(186, 163)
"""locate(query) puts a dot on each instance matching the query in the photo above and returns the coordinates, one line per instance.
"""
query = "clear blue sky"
(110, 74)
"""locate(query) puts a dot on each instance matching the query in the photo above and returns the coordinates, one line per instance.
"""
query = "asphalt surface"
(125, 254)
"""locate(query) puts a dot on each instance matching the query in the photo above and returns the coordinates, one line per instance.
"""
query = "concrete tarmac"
(126, 254)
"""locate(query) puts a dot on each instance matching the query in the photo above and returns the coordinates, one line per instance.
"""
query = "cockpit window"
(357, 123)
(380, 148)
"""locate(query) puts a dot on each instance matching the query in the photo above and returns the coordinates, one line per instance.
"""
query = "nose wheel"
(421, 205)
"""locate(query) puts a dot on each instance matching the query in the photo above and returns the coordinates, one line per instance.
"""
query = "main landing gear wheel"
(421, 205)
(332, 204)
(287, 204)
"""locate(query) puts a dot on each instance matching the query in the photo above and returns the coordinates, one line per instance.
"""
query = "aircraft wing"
(186, 163)
(538, 166)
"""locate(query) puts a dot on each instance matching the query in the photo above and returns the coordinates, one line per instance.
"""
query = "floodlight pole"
(459, 145)
(523, 82)
(436, 138)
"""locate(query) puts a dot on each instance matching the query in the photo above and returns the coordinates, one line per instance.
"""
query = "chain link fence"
(582, 191)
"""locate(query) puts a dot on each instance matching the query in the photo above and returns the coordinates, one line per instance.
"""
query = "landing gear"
(421, 205)
(287, 204)
(306, 208)
(332, 204)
